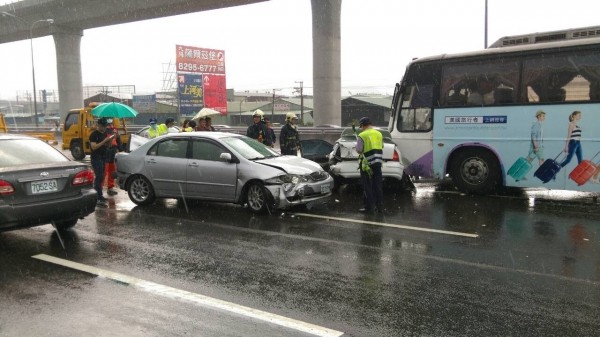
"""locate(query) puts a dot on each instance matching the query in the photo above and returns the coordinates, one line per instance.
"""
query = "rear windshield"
(14, 152)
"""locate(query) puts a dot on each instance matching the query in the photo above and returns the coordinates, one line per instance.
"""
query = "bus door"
(412, 127)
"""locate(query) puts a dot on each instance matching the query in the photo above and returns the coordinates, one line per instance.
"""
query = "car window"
(315, 147)
(249, 148)
(205, 150)
(173, 148)
(15, 152)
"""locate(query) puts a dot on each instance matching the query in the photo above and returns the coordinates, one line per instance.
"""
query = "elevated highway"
(72, 17)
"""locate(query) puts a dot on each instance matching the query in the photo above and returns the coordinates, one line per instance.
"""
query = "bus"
(524, 112)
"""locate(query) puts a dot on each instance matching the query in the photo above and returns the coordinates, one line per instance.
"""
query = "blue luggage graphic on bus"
(548, 170)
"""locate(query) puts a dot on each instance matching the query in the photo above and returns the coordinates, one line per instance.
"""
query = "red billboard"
(200, 60)
(215, 92)
(210, 65)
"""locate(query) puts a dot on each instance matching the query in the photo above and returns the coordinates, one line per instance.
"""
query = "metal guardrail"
(328, 134)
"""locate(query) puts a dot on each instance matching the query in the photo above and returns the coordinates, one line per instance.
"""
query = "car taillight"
(6, 188)
(396, 157)
(83, 178)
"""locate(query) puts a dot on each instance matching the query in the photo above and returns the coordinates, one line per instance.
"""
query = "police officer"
(154, 130)
(369, 146)
(258, 129)
(289, 139)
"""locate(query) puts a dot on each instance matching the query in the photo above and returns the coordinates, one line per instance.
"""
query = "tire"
(257, 198)
(65, 224)
(140, 191)
(475, 171)
(77, 150)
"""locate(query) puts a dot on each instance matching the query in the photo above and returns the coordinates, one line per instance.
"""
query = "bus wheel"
(475, 171)
(77, 150)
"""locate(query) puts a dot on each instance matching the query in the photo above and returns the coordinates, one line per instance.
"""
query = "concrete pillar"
(327, 87)
(68, 67)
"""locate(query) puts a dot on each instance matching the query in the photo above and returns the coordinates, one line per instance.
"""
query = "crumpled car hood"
(292, 164)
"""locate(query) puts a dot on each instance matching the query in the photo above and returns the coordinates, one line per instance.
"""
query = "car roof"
(204, 134)
(5, 136)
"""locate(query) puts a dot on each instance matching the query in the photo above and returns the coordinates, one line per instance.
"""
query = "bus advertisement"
(524, 114)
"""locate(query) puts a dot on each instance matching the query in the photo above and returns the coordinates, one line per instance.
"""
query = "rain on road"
(439, 263)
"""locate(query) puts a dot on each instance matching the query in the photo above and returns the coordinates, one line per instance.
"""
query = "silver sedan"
(222, 167)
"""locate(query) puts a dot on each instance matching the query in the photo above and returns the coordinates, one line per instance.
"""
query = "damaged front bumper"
(289, 194)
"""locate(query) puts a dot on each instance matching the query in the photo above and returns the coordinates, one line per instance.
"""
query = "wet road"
(438, 264)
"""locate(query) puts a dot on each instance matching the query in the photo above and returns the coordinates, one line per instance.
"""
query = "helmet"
(291, 115)
(258, 112)
(364, 121)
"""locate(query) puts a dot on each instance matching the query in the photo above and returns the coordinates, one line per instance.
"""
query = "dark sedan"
(39, 185)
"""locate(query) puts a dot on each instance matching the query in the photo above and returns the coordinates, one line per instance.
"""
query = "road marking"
(383, 224)
(202, 300)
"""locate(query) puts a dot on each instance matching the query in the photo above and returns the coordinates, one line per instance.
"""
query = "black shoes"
(101, 199)
(112, 192)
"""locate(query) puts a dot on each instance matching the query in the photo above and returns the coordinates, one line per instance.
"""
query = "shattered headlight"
(288, 179)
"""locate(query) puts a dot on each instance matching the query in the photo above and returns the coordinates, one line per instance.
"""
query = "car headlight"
(288, 179)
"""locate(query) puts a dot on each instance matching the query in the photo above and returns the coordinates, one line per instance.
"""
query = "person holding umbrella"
(99, 143)
(114, 146)
(209, 124)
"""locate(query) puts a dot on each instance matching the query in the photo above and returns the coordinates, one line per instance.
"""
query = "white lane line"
(383, 224)
(206, 301)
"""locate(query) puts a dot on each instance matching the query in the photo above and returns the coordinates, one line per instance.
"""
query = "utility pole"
(485, 38)
(301, 89)
(273, 106)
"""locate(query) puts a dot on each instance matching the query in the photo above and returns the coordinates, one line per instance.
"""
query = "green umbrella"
(114, 110)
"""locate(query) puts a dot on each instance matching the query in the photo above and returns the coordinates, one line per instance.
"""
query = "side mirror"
(226, 157)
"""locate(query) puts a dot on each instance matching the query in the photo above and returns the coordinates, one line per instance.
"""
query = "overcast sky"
(269, 45)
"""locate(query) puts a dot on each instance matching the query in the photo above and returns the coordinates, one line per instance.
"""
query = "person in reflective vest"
(369, 146)
(289, 139)
(153, 131)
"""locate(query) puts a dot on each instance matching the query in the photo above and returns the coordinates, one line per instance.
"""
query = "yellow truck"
(3, 127)
(79, 125)
(47, 136)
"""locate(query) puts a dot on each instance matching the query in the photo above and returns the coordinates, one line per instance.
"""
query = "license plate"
(325, 189)
(45, 186)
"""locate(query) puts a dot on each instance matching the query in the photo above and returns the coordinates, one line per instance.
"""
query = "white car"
(343, 160)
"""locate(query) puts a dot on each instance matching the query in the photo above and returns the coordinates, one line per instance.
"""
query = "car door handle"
(194, 164)
(151, 161)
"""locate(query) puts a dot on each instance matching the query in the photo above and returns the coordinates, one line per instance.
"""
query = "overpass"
(72, 17)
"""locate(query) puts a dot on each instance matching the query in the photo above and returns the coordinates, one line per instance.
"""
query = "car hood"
(291, 164)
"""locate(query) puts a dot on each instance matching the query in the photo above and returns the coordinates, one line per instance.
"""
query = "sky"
(269, 45)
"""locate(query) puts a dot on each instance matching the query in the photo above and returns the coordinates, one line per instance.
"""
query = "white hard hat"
(291, 115)
(258, 112)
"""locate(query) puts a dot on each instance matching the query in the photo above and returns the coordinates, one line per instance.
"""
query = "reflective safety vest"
(163, 129)
(152, 133)
(372, 149)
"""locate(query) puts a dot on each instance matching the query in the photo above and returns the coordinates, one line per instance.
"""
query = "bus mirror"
(395, 98)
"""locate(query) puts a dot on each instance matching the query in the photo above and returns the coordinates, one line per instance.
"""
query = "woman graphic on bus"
(573, 144)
